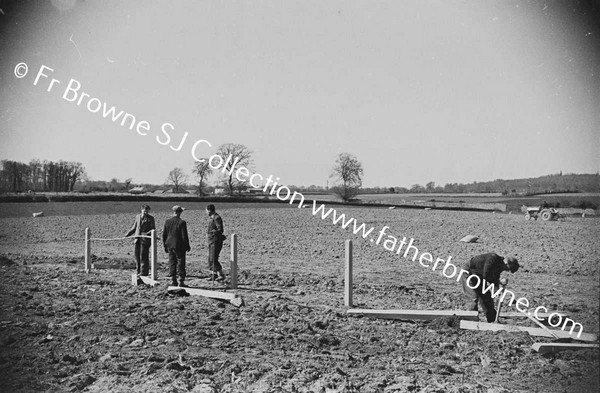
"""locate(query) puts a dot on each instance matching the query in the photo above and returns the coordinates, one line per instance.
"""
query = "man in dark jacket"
(215, 243)
(488, 268)
(177, 243)
(142, 226)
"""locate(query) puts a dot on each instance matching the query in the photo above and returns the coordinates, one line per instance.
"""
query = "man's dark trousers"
(142, 253)
(214, 249)
(176, 264)
(475, 296)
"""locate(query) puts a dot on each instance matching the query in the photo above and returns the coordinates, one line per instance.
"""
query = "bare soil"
(64, 330)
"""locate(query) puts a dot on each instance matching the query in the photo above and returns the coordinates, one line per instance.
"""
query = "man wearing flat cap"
(176, 242)
(215, 239)
(143, 224)
(487, 267)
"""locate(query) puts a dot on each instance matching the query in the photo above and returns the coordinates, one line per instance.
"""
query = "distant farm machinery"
(546, 213)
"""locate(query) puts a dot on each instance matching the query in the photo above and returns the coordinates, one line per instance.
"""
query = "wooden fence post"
(348, 275)
(88, 251)
(153, 254)
(234, 268)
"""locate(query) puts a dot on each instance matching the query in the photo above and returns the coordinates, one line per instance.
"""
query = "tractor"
(547, 213)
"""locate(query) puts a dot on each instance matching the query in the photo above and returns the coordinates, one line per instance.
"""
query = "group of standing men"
(177, 243)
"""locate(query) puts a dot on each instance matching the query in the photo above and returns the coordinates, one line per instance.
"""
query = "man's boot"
(220, 275)
(182, 282)
(174, 281)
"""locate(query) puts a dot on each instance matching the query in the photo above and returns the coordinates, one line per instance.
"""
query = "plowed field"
(64, 330)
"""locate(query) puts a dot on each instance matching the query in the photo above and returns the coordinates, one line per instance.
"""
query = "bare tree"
(417, 188)
(202, 170)
(36, 174)
(347, 175)
(241, 156)
(75, 172)
(177, 177)
(46, 167)
(114, 184)
(14, 175)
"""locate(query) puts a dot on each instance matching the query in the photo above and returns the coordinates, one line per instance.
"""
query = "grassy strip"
(122, 197)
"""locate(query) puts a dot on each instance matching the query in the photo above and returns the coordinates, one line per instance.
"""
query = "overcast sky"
(419, 90)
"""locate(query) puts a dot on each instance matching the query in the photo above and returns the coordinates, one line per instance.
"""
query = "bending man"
(488, 268)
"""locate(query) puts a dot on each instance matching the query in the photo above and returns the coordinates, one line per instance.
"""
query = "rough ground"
(64, 330)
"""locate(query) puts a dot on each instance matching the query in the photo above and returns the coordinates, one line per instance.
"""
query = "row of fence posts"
(153, 256)
(233, 268)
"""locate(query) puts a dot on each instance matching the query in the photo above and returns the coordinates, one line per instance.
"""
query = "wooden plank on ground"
(518, 314)
(410, 315)
(557, 347)
(495, 327)
(146, 280)
(534, 320)
(206, 293)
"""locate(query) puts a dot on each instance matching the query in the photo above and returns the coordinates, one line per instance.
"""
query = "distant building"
(159, 191)
(137, 190)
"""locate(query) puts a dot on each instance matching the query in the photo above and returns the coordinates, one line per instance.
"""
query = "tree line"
(346, 174)
(549, 184)
(346, 179)
(39, 175)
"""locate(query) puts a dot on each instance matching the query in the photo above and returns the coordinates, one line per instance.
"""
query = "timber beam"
(496, 327)
(518, 314)
(557, 347)
(135, 280)
(409, 315)
(233, 298)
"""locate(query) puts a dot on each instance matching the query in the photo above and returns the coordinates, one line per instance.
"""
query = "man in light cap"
(177, 243)
(488, 268)
(143, 224)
